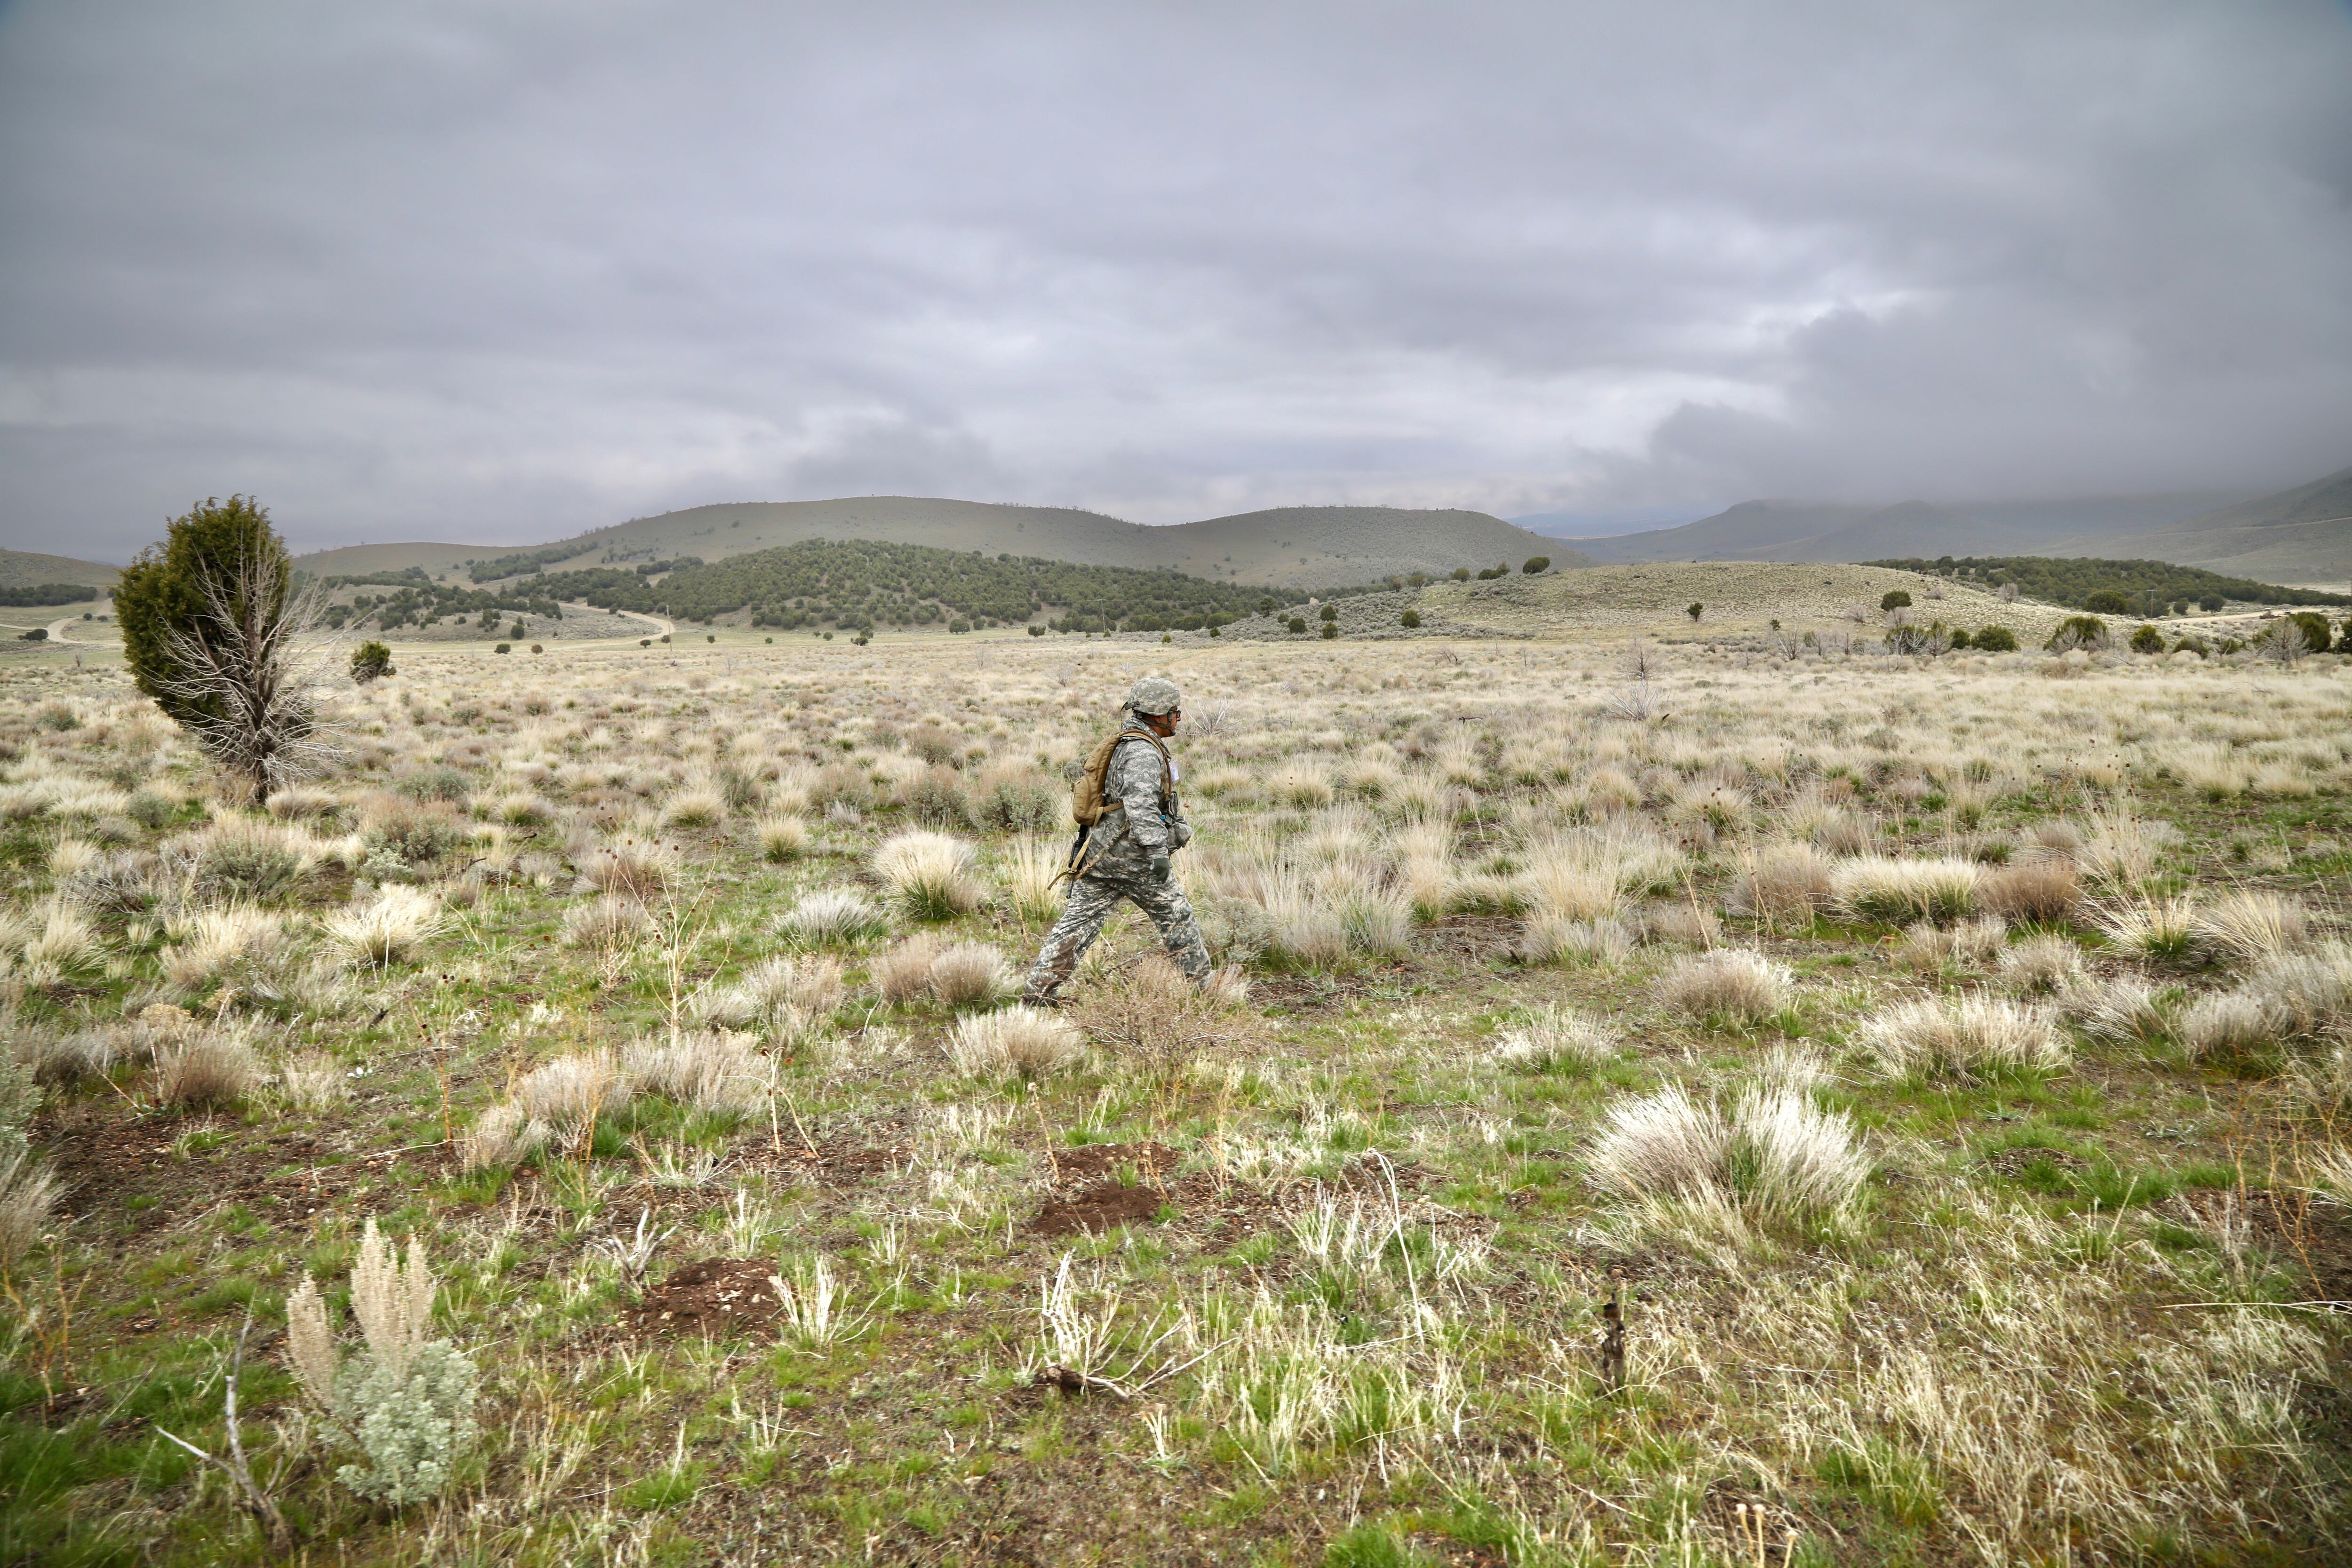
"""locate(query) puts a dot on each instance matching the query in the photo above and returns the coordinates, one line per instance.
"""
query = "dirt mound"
(716, 1295)
(1103, 1207)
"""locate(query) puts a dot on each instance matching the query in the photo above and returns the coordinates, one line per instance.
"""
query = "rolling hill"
(25, 568)
(2302, 535)
(1287, 547)
(1838, 532)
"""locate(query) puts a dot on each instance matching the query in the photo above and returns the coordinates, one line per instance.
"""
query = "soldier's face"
(1165, 724)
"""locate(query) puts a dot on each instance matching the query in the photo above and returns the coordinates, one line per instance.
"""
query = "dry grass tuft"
(1785, 885)
(783, 839)
(929, 875)
(207, 1070)
(1730, 984)
(1965, 1037)
(832, 917)
(1775, 1154)
(1018, 1042)
(969, 975)
(2252, 926)
(710, 1069)
(568, 1093)
(605, 922)
(2224, 1024)
(386, 932)
(1556, 1040)
(28, 1191)
(2042, 965)
(2043, 891)
(501, 1137)
(1894, 891)
(903, 974)
(630, 867)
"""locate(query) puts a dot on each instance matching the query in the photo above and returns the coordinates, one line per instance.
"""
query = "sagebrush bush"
(405, 1402)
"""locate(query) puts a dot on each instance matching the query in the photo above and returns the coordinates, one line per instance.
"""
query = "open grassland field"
(1943, 1065)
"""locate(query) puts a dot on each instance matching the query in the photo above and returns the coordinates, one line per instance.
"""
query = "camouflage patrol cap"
(1155, 695)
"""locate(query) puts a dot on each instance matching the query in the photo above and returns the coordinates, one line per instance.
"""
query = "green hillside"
(26, 569)
(843, 584)
(2148, 586)
(1286, 549)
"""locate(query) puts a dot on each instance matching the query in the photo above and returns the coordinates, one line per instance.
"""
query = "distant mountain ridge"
(1827, 531)
(1285, 547)
(2303, 535)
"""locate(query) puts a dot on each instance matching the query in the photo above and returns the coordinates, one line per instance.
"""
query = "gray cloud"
(506, 271)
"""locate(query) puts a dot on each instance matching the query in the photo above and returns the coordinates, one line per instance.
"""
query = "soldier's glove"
(1160, 867)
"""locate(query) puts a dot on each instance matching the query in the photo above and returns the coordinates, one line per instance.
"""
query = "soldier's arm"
(1135, 780)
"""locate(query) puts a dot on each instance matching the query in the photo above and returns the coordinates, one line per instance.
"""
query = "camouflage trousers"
(1091, 901)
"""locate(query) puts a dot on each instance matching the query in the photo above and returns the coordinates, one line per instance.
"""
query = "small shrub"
(1296, 622)
(937, 798)
(370, 661)
(1694, 610)
(1893, 599)
(2147, 639)
(1022, 802)
(1534, 564)
(1730, 983)
(411, 832)
(1995, 639)
(1410, 618)
(1329, 630)
(1018, 1041)
(2078, 631)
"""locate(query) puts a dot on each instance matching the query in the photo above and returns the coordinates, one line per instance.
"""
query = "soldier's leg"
(1179, 933)
(1089, 903)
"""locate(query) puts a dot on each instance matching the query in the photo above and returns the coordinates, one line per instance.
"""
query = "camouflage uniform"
(1125, 858)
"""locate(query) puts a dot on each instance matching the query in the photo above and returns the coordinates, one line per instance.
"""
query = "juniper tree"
(217, 632)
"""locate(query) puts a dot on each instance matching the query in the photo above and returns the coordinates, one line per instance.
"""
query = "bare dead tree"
(248, 676)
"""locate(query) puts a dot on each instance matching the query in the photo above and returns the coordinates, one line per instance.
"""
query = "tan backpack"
(1087, 807)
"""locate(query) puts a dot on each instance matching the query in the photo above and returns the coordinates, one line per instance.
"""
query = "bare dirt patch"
(1106, 1206)
(716, 1295)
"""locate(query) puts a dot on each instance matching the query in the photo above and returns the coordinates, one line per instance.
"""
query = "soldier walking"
(1130, 821)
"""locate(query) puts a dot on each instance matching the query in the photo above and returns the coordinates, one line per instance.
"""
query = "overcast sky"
(501, 272)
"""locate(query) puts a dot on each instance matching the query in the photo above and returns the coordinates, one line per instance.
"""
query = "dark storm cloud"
(502, 272)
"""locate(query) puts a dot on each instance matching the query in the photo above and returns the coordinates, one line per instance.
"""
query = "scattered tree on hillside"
(1537, 564)
(216, 632)
(372, 661)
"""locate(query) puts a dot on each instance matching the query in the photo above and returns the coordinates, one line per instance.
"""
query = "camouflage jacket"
(1153, 822)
